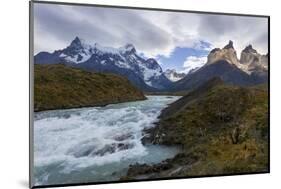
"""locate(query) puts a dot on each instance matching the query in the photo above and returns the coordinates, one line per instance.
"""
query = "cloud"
(153, 33)
(243, 31)
(193, 62)
(109, 27)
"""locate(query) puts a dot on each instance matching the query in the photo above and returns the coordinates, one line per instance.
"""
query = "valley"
(126, 110)
(147, 74)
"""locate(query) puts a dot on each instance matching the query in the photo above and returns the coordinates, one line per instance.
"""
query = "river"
(96, 144)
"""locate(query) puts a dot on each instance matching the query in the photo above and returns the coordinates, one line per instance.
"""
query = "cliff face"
(223, 130)
(253, 60)
(61, 87)
(228, 53)
(251, 69)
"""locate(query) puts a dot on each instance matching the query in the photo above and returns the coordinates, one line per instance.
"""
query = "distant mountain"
(227, 53)
(60, 87)
(250, 60)
(173, 75)
(251, 69)
(146, 74)
(253, 61)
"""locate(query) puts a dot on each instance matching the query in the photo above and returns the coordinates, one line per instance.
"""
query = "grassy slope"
(59, 87)
(223, 130)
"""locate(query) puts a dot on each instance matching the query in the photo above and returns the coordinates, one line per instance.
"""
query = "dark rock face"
(167, 168)
(130, 49)
(110, 149)
(47, 58)
(123, 137)
(229, 45)
(249, 49)
(215, 50)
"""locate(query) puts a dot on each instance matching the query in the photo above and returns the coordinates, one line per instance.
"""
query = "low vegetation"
(61, 87)
(222, 129)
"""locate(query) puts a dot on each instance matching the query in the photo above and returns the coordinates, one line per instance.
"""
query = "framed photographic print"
(124, 94)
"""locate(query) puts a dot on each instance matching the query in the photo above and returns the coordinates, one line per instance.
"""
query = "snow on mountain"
(108, 59)
(77, 52)
(148, 75)
(173, 75)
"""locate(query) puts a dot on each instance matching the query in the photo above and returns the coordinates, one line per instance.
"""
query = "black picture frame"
(31, 93)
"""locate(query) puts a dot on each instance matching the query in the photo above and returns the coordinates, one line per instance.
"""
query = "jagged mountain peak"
(78, 43)
(227, 53)
(129, 47)
(229, 45)
(173, 75)
(215, 50)
(253, 61)
(249, 49)
(250, 60)
(151, 63)
(144, 73)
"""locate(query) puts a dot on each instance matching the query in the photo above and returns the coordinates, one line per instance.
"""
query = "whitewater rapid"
(96, 144)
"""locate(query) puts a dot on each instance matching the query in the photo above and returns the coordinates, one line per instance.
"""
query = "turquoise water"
(96, 144)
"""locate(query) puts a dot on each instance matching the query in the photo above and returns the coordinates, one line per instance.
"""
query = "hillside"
(251, 69)
(229, 73)
(60, 87)
(222, 129)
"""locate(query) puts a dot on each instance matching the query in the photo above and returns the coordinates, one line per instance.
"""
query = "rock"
(111, 148)
(229, 45)
(108, 149)
(83, 153)
(124, 137)
(249, 49)
(228, 53)
(167, 168)
(122, 146)
(253, 61)
(141, 169)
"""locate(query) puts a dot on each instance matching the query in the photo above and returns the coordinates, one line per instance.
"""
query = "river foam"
(95, 144)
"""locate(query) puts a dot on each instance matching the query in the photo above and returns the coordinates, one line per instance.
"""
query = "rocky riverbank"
(223, 129)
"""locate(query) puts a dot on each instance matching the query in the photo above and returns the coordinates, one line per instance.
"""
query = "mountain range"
(173, 75)
(251, 69)
(147, 74)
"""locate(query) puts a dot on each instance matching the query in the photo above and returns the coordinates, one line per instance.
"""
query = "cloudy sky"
(177, 40)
